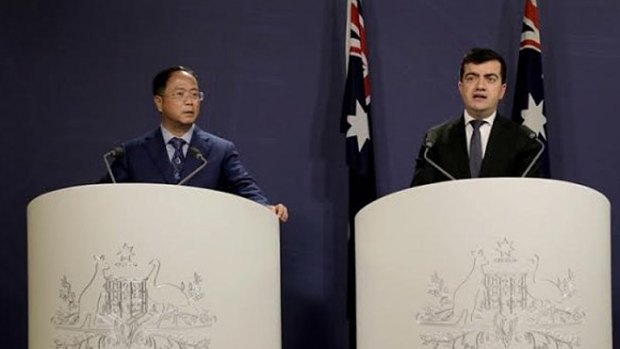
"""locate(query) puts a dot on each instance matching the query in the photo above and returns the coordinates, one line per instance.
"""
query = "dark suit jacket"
(509, 152)
(146, 160)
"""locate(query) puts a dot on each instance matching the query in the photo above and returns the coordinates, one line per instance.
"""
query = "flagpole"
(356, 124)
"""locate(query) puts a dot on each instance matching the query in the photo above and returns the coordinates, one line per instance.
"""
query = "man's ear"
(503, 92)
(158, 100)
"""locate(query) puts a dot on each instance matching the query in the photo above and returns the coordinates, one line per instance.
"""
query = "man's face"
(481, 88)
(178, 104)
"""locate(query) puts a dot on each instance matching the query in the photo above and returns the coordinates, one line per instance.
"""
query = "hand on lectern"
(280, 210)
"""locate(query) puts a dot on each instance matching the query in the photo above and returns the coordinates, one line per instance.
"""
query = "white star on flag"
(533, 116)
(359, 126)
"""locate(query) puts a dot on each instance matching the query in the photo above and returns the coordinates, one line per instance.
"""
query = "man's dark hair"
(161, 79)
(483, 55)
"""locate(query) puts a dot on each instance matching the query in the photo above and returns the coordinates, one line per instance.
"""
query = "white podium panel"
(485, 263)
(152, 266)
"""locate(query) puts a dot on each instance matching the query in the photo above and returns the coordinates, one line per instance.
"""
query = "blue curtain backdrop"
(76, 81)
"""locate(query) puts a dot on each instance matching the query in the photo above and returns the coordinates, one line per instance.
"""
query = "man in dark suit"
(479, 143)
(169, 154)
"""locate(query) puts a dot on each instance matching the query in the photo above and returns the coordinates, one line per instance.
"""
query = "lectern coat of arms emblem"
(127, 305)
(503, 302)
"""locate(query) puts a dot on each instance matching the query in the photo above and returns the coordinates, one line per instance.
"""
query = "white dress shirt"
(485, 130)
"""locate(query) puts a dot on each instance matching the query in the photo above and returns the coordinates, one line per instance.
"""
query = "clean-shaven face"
(481, 88)
(177, 104)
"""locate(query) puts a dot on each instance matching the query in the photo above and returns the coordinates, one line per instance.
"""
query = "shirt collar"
(489, 119)
(187, 136)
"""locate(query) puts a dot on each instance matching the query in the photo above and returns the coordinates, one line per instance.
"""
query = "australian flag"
(355, 124)
(529, 103)
(355, 121)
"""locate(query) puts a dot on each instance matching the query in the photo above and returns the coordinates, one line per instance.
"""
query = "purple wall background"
(76, 81)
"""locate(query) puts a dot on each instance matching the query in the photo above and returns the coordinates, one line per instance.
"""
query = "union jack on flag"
(355, 120)
(529, 107)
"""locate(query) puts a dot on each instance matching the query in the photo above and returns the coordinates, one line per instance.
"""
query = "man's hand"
(280, 210)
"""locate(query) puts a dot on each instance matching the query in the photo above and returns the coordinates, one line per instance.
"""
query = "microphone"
(431, 138)
(429, 142)
(198, 155)
(115, 153)
(534, 136)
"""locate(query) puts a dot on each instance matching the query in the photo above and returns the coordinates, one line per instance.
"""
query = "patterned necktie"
(475, 149)
(178, 159)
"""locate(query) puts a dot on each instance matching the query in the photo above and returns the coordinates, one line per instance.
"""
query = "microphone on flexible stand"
(115, 153)
(429, 142)
(533, 136)
(198, 155)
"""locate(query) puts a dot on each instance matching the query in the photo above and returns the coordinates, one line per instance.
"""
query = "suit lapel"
(458, 147)
(494, 145)
(157, 151)
(201, 141)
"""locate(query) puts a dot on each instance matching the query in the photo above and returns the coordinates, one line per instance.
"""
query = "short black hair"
(482, 55)
(161, 79)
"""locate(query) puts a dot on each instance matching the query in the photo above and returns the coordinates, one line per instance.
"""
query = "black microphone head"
(196, 153)
(430, 139)
(531, 134)
(116, 152)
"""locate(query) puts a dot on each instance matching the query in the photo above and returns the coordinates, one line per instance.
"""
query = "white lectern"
(152, 266)
(485, 263)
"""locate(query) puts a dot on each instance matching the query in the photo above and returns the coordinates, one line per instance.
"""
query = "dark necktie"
(475, 149)
(177, 158)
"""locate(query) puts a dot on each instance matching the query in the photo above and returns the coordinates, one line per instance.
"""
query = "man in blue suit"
(170, 153)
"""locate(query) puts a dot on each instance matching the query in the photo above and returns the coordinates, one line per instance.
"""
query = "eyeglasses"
(181, 95)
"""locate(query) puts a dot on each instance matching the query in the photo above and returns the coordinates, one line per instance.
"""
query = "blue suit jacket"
(146, 160)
